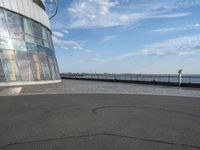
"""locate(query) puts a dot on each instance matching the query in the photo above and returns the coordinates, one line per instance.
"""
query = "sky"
(128, 36)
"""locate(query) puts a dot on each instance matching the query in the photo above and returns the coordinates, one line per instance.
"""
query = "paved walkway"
(79, 86)
(99, 122)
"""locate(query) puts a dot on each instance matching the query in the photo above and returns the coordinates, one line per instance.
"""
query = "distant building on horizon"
(26, 49)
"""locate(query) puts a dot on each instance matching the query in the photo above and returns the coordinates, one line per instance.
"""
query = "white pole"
(180, 77)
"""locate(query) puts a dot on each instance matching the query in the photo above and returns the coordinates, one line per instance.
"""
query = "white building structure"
(26, 49)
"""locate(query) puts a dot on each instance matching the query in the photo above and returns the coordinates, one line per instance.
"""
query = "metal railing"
(156, 78)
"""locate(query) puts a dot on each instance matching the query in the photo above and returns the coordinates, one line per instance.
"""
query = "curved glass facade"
(26, 50)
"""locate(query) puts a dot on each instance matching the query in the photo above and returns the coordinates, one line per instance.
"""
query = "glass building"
(26, 49)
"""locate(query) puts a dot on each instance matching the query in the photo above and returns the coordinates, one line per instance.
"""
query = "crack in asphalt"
(95, 110)
(103, 134)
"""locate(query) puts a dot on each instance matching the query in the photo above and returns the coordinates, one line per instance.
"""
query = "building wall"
(26, 47)
(27, 8)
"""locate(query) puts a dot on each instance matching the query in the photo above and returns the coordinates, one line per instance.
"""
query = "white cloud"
(175, 15)
(66, 31)
(107, 39)
(58, 34)
(94, 60)
(66, 48)
(87, 51)
(177, 29)
(105, 13)
(158, 52)
(174, 47)
(197, 25)
(67, 43)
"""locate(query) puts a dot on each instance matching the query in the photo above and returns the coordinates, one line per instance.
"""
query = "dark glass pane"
(37, 30)
(38, 41)
(44, 50)
(24, 66)
(39, 3)
(36, 67)
(14, 25)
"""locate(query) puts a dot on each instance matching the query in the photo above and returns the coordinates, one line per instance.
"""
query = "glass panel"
(14, 25)
(3, 26)
(10, 67)
(56, 68)
(38, 41)
(52, 68)
(37, 29)
(19, 45)
(2, 76)
(24, 66)
(36, 67)
(31, 47)
(29, 38)
(46, 44)
(45, 66)
(44, 34)
(44, 50)
(50, 40)
(48, 51)
(27, 26)
(5, 43)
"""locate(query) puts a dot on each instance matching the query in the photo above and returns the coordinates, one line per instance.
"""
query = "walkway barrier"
(171, 79)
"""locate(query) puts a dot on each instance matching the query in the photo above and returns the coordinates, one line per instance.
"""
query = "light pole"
(180, 77)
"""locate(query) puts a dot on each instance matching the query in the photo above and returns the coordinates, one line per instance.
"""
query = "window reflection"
(45, 66)
(19, 45)
(36, 67)
(10, 67)
(24, 66)
(5, 43)
(3, 26)
(14, 25)
(52, 68)
(31, 47)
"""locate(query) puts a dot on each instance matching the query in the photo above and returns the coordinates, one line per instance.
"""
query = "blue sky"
(128, 36)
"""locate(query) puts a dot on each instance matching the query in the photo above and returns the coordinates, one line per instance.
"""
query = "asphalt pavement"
(99, 122)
